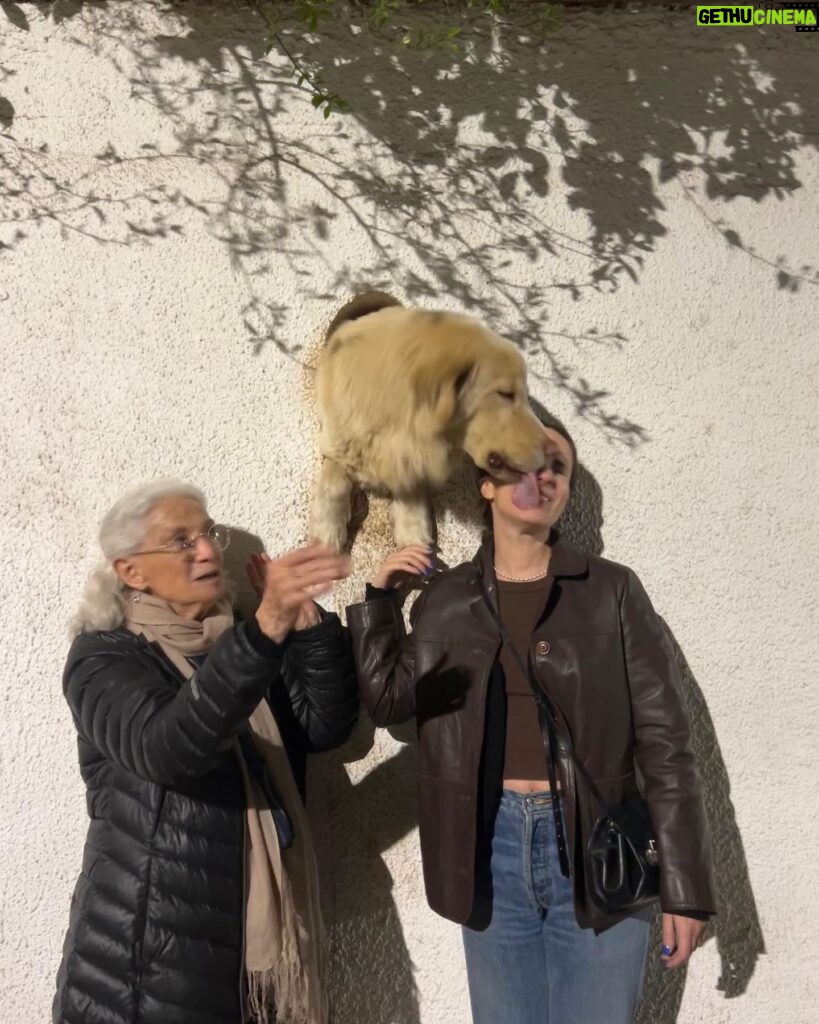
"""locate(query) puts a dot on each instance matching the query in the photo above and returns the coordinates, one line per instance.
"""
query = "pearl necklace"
(521, 579)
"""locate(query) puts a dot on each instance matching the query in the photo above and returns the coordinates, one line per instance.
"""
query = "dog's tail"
(361, 305)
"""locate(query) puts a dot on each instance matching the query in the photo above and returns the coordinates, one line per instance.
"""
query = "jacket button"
(543, 647)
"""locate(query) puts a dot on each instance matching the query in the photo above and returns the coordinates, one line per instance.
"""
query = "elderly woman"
(198, 897)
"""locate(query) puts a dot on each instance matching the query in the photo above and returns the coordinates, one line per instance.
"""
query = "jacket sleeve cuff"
(376, 614)
(374, 593)
(328, 626)
(697, 915)
(260, 643)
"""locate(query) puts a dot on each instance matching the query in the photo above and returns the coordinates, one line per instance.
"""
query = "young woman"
(198, 896)
(537, 949)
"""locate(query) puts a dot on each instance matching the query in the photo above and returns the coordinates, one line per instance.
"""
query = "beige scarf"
(284, 933)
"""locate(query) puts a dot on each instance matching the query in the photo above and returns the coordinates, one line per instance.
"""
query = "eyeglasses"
(217, 535)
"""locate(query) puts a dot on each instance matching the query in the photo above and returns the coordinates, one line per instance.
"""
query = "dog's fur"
(401, 392)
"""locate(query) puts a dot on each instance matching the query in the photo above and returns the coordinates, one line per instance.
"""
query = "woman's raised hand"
(287, 586)
(415, 560)
(309, 614)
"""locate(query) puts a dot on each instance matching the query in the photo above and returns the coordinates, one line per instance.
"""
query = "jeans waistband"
(528, 800)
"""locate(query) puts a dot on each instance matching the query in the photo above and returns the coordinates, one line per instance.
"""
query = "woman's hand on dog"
(414, 560)
(287, 586)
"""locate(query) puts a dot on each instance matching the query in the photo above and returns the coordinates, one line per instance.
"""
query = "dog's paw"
(412, 521)
(330, 509)
(332, 534)
(406, 538)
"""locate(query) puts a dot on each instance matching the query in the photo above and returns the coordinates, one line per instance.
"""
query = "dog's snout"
(495, 461)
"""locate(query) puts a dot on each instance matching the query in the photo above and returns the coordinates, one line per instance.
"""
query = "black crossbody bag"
(621, 862)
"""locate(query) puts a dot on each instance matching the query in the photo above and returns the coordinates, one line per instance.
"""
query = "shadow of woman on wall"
(355, 817)
(736, 927)
(355, 821)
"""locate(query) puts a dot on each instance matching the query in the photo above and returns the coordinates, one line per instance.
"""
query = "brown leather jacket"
(604, 657)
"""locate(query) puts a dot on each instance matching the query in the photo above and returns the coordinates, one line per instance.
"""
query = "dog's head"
(502, 435)
(477, 385)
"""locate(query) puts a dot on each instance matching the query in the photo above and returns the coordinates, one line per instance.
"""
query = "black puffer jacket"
(155, 931)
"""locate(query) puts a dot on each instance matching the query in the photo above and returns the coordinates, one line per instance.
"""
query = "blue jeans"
(534, 964)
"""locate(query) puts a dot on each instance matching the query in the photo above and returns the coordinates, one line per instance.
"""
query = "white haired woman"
(198, 897)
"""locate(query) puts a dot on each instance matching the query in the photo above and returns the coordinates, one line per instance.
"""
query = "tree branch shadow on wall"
(451, 186)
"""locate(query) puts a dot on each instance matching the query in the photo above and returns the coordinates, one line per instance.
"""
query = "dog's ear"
(361, 305)
(440, 385)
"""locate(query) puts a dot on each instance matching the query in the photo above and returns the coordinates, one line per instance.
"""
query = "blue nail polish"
(429, 570)
(666, 950)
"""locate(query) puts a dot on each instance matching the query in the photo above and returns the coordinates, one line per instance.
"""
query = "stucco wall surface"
(632, 199)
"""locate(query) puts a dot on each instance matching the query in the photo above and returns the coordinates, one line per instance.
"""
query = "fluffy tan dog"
(401, 392)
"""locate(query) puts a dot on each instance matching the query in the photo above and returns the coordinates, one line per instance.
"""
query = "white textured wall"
(636, 200)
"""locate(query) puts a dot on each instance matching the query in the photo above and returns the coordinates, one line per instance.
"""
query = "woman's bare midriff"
(527, 786)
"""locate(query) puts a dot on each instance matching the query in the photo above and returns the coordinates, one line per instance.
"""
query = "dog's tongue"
(525, 494)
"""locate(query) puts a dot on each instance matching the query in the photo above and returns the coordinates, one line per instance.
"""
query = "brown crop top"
(521, 606)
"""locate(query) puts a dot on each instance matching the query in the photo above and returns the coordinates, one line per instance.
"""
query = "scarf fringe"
(280, 994)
